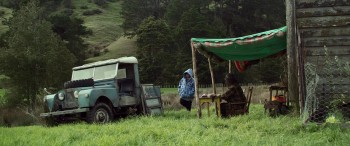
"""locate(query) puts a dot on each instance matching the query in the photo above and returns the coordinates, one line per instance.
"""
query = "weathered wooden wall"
(323, 23)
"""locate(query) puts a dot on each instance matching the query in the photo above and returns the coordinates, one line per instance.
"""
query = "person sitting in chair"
(233, 95)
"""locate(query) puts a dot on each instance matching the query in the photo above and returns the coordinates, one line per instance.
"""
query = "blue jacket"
(186, 87)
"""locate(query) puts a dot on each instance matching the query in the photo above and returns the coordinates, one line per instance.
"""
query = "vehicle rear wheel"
(101, 113)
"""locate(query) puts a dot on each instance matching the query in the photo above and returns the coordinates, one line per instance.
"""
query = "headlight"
(61, 96)
(76, 94)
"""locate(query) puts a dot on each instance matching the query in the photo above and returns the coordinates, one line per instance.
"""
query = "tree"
(154, 42)
(70, 30)
(35, 56)
(135, 11)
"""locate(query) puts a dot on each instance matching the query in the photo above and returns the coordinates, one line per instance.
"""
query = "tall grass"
(182, 128)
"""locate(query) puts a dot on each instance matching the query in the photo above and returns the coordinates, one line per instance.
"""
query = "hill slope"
(105, 27)
(119, 48)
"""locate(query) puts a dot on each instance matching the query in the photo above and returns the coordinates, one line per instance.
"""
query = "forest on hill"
(165, 27)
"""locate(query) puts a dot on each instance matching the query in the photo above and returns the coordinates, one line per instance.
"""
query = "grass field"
(183, 128)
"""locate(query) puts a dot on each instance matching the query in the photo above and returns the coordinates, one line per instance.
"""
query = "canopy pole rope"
(212, 76)
(196, 94)
(229, 66)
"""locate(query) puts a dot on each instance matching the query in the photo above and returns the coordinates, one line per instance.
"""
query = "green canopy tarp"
(246, 48)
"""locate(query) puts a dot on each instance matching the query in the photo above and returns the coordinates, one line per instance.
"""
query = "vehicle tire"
(139, 110)
(51, 121)
(101, 113)
(79, 83)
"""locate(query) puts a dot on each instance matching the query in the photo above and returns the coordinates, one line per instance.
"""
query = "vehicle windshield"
(97, 73)
(83, 74)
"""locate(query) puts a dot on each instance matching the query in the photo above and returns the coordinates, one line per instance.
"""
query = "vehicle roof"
(131, 60)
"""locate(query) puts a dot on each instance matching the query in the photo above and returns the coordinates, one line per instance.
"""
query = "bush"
(92, 12)
(84, 7)
(2, 13)
(68, 12)
(68, 4)
(102, 3)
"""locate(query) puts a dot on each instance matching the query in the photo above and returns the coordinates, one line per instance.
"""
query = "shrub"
(84, 7)
(92, 12)
(2, 13)
(68, 12)
(102, 3)
(68, 4)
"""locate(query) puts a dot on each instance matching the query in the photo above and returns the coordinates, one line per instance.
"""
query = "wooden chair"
(245, 105)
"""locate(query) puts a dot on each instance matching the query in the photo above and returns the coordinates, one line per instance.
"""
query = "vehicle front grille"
(69, 101)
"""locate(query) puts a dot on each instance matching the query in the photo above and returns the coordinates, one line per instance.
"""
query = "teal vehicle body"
(98, 91)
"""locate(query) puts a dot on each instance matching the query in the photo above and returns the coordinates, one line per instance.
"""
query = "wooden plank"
(332, 51)
(327, 21)
(321, 3)
(326, 41)
(324, 32)
(323, 11)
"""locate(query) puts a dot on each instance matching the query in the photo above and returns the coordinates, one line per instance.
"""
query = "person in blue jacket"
(186, 89)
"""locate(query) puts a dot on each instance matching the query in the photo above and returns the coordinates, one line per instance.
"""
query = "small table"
(205, 99)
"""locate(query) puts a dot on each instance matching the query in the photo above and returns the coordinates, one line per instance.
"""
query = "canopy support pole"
(229, 66)
(212, 76)
(196, 92)
(293, 92)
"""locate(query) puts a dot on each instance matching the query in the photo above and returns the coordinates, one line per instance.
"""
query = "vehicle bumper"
(65, 112)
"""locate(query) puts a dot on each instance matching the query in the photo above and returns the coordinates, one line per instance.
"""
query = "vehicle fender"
(49, 100)
(110, 93)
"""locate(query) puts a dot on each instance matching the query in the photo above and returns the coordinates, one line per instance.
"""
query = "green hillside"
(119, 48)
(105, 27)
(106, 30)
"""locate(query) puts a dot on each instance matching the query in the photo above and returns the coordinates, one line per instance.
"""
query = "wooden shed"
(315, 26)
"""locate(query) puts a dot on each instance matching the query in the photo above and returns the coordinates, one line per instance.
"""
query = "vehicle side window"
(121, 74)
(104, 72)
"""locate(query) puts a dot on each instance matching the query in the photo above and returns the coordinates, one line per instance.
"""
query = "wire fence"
(327, 91)
(218, 85)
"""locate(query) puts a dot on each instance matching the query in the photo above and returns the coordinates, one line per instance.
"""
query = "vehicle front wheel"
(51, 121)
(101, 113)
